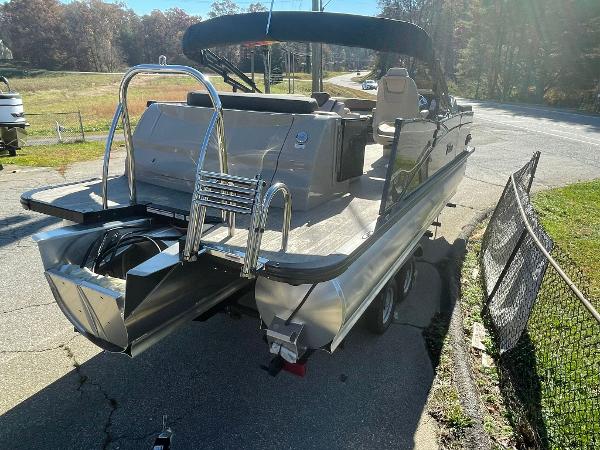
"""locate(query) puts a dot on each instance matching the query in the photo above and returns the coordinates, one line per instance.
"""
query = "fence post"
(508, 263)
(536, 159)
(58, 133)
(81, 126)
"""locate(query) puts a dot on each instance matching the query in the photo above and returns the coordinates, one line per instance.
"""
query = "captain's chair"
(397, 97)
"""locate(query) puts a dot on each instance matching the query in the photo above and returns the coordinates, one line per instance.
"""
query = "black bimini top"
(386, 35)
(375, 33)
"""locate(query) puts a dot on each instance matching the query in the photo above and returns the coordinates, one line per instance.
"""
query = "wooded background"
(524, 50)
(528, 50)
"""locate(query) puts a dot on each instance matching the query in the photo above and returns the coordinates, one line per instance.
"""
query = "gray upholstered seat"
(291, 104)
(397, 97)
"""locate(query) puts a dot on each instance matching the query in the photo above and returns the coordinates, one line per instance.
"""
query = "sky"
(201, 7)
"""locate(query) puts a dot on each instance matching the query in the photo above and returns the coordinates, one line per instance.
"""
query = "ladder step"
(227, 177)
(234, 199)
(227, 187)
(223, 207)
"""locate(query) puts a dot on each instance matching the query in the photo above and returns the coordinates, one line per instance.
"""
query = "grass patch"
(58, 156)
(444, 403)
(372, 75)
(304, 87)
(96, 95)
(487, 380)
(571, 215)
(542, 392)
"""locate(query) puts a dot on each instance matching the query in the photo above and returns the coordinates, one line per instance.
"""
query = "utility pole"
(293, 74)
(289, 70)
(252, 65)
(316, 55)
(267, 68)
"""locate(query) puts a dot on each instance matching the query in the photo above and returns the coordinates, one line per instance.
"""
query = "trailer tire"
(380, 313)
(12, 151)
(406, 277)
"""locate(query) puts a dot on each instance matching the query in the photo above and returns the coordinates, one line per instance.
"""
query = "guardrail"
(545, 326)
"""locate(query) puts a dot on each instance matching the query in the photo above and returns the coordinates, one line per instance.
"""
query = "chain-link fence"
(54, 128)
(545, 326)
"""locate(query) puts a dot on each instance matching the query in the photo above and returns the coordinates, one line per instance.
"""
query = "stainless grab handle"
(287, 211)
(215, 122)
(108, 146)
(259, 222)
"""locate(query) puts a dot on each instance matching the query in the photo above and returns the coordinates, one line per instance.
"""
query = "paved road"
(346, 81)
(58, 391)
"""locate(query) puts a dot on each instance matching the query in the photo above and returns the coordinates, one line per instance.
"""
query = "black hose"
(102, 238)
(123, 243)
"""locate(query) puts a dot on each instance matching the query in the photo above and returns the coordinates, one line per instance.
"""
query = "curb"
(477, 438)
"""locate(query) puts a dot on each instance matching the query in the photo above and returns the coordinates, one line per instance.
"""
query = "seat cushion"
(257, 102)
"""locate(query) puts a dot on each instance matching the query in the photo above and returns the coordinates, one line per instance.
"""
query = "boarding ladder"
(218, 190)
(236, 195)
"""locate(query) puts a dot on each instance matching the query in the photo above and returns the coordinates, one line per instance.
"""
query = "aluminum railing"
(215, 123)
(228, 193)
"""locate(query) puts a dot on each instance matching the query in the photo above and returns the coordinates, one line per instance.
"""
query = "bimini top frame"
(375, 33)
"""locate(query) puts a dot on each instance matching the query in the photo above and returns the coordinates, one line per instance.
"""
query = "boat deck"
(332, 229)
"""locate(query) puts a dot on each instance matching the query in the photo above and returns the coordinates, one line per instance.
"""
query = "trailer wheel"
(381, 312)
(12, 151)
(406, 277)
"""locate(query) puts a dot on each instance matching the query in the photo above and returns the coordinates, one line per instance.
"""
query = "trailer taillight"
(298, 368)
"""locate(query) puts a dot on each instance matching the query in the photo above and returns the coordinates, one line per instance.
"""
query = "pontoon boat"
(12, 119)
(303, 211)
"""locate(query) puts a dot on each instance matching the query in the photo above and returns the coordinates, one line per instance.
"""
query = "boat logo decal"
(301, 139)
